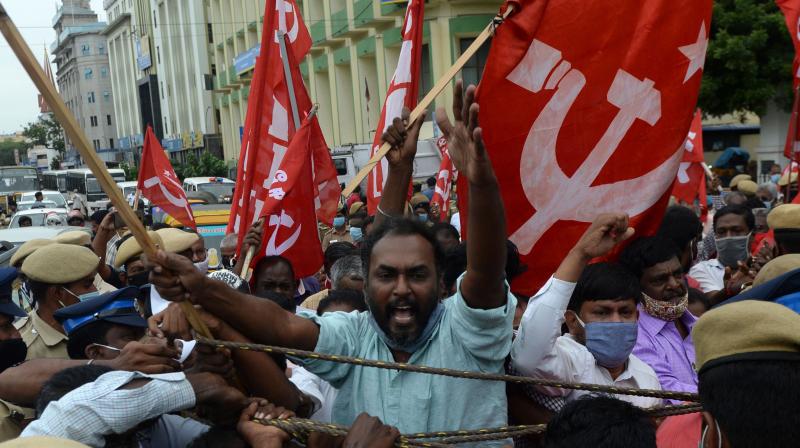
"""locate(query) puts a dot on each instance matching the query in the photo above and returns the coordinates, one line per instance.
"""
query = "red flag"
(584, 106)
(691, 174)
(791, 13)
(291, 224)
(268, 127)
(444, 181)
(403, 92)
(159, 184)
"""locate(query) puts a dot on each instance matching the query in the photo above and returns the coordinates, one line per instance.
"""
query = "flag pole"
(78, 137)
(247, 272)
(430, 97)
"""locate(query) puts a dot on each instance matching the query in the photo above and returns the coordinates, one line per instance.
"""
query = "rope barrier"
(679, 396)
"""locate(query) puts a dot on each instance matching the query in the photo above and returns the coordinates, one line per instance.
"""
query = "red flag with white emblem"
(159, 184)
(268, 125)
(444, 180)
(289, 212)
(791, 13)
(691, 174)
(403, 92)
(584, 106)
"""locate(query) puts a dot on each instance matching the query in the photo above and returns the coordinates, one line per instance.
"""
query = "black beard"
(382, 317)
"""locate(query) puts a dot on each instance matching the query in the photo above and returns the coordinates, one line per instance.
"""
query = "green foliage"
(131, 172)
(749, 59)
(207, 165)
(55, 164)
(7, 152)
(46, 132)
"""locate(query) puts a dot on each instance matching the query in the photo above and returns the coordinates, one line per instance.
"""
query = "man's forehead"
(402, 251)
(665, 267)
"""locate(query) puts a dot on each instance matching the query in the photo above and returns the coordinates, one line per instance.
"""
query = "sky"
(18, 96)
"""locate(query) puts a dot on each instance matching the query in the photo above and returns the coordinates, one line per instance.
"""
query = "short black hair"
(740, 210)
(514, 265)
(98, 216)
(38, 290)
(349, 297)
(605, 281)
(401, 227)
(600, 422)
(91, 333)
(752, 401)
(447, 228)
(272, 260)
(681, 226)
(788, 241)
(26, 218)
(65, 382)
(455, 264)
(647, 252)
(38, 193)
(336, 251)
(431, 181)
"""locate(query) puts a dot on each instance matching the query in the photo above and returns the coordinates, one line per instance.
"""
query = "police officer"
(99, 328)
(12, 351)
(58, 275)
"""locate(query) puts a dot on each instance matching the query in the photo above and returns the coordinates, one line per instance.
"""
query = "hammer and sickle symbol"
(278, 221)
(558, 197)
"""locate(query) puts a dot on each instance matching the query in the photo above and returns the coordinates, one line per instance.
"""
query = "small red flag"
(691, 174)
(444, 180)
(158, 182)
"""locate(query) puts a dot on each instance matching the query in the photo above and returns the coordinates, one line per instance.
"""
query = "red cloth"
(159, 184)
(403, 91)
(680, 431)
(584, 112)
(691, 179)
(444, 180)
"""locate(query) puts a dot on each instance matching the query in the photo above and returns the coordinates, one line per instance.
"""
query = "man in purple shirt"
(665, 324)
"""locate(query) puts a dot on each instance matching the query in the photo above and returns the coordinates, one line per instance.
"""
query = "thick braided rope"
(680, 396)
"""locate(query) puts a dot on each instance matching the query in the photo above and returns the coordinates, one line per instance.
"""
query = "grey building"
(84, 78)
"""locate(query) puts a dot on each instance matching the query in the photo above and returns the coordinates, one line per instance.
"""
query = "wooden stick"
(78, 137)
(136, 199)
(428, 100)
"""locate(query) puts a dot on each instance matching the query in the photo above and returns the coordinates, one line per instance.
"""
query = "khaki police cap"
(355, 208)
(78, 237)
(785, 179)
(176, 240)
(26, 249)
(747, 330)
(738, 178)
(748, 187)
(130, 248)
(777, 267)
(786, 216)
(41, 441)
(59, 264)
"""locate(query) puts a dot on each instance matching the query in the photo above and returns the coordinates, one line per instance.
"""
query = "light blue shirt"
(466, 339)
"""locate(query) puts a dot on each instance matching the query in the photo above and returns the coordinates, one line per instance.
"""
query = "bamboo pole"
(78, 137)
(443, 82)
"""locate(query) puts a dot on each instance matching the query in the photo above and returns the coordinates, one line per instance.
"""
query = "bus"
(55, 180)
(83, 182)
(15, 180)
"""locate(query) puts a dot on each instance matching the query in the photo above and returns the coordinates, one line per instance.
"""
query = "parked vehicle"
(55, 180)
(41, 217)
(12, 239)
(49, 195)
(28, 205)
(83, 181)
(349, 160)
(14, 180)
(221, 187)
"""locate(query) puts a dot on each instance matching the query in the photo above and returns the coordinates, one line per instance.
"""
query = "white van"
(220, 187)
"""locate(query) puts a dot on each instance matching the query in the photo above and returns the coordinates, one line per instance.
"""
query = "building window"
(96, 144)
(108, 119)
(86, 50)
(87, 74)
(210, 32)
(158, 53)
(111, 142)
(91, 97)
(106, 96)
(155, 19)
(166, 126)
(93, 121)
(101, 49)
(426, 76)
(473, 70)
(104, 72)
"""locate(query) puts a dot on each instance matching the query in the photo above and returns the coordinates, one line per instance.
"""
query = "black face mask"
(12, 352)
(139, 279)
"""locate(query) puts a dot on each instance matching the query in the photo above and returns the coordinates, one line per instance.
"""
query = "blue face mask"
(423, 217)
(611, 343)
(355, 233)
(84, 297)
(338, 221)
(775, 178)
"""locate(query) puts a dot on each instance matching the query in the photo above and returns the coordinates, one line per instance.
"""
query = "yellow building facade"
(356, 44)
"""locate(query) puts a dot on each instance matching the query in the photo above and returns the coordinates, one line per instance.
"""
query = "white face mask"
(202, 266)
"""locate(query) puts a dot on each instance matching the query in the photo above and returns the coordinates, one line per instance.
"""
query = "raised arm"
(262, 321)
(484, 283)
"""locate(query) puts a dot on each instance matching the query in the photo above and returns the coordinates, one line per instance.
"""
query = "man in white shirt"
(598, 304)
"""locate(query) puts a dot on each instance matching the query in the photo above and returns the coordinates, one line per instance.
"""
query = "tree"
(55, 164)
(749, 59)
(207, 165)
(46, 132)
(131, 172)
(7, 152)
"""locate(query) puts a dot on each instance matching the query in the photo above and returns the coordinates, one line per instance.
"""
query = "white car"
(129, 188)
(28, 205)
(220, 187)
(41, 217)
(49, 195)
